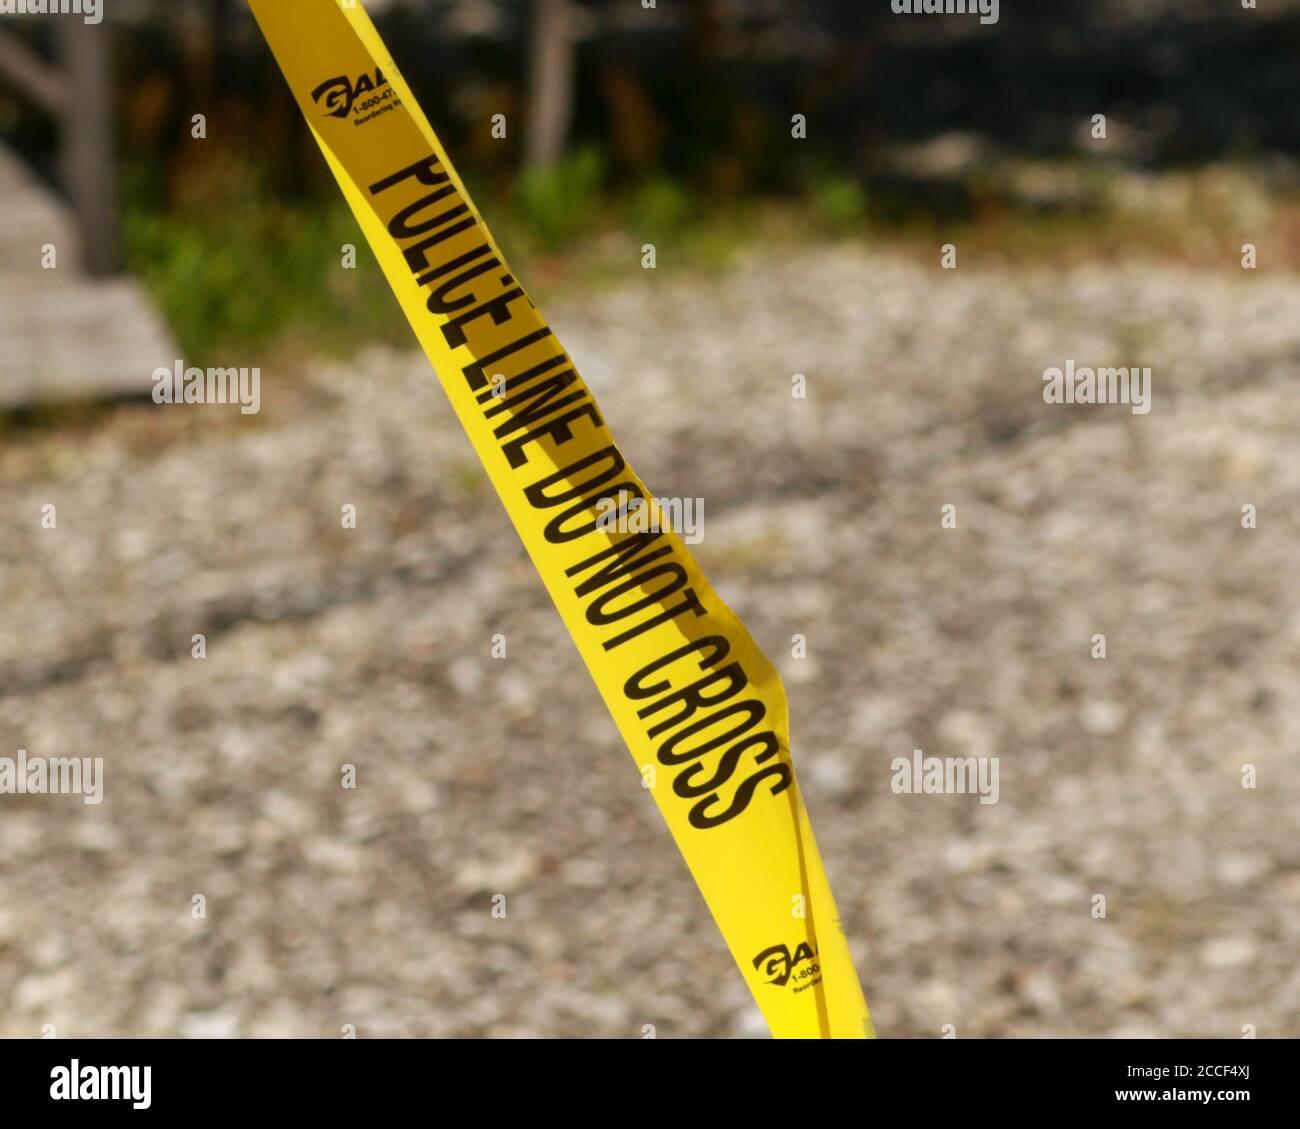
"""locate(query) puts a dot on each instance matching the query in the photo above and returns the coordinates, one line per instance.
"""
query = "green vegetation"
(554, 206)
(250, 265)
(251, 268)
(245, 264)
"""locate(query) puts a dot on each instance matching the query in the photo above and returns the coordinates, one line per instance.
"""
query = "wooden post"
(550, 83)
(87, 140)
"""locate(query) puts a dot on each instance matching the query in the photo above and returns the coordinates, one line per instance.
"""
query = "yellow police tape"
(702, 710)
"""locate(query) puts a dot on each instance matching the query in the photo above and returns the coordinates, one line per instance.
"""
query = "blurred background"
(775, 255)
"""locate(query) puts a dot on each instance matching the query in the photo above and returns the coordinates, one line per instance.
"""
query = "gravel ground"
(1119, 776)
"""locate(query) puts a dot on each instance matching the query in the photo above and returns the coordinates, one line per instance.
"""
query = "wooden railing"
(77, 91)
